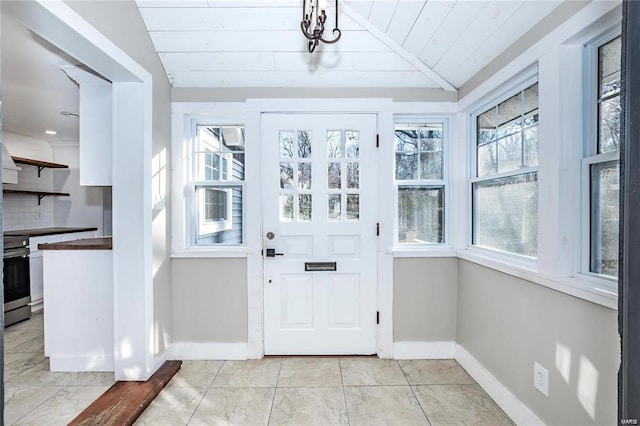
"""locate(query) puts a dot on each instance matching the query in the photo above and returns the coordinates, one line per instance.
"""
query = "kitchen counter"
(48, 231)
(100, 243)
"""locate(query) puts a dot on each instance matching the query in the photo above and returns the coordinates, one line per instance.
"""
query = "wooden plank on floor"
(124, 402)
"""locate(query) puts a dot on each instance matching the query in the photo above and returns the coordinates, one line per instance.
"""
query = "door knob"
(272, 253)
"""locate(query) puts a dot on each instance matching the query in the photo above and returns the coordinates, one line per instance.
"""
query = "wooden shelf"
(39, 164)
(40, 194)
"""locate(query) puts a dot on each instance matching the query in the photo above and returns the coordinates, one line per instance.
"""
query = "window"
(420, 182)
(505, 186)
(601, 163)
(217, 184)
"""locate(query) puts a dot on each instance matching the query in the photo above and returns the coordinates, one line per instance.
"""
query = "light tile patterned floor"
(273, 391)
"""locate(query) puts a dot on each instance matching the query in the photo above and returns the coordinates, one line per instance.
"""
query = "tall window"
(601, 163)
(505, 187)
(420, 183)
(217, 185)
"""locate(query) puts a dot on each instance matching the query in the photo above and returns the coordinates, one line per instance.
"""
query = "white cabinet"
(35, 262)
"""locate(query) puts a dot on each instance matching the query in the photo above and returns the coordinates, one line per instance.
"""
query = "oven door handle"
(18, 252)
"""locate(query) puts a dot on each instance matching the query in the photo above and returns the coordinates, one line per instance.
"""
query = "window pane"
(609, 125)
(609, 64)
(286, 175)
(304, 144)
(487, 159)
(605, 190)
(334, 207)
(431, 165)
(353, 207)
(219, 215)
(305, 207)
(420, 214)
(304, 176)
(286, 144)
(334, 145)
(531, 146)
(406, 166)
(510, 153)
(406, 139)
(505, 214)
(509, 114)
(333, 176)
(487, 125)
(353, 175)
(352, 143)
(286, 207)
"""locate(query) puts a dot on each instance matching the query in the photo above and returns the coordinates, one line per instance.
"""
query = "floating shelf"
(40, 194)
(39, 164)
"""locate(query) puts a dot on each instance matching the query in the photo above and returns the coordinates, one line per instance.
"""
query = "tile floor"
(274, 391)
(35, 396)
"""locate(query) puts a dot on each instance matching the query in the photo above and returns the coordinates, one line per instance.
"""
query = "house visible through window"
(217, 184)
(420, 182)
(505, 188)
(602, 161)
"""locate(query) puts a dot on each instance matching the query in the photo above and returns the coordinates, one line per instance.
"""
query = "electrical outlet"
(38, 213)
(541, 378)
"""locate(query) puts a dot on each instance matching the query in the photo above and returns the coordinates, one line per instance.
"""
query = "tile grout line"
(206, 391)
(344, 393)
(39, 405)
(414, 393)
(275, 390)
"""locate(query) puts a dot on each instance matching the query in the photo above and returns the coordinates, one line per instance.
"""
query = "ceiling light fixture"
(50, 132)
(315, 10)
(70, 114)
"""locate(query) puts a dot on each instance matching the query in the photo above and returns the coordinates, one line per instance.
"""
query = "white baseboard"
(37, 305)
(507, 401)
(81, 363)
(424, 350)
(209, 351)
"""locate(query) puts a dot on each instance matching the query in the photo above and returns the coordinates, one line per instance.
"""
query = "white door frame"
(57, 23)
(383, 109)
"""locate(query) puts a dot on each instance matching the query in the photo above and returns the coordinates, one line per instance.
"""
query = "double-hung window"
(505, 182)
(420, 182)
(217, 181)
(601, 176)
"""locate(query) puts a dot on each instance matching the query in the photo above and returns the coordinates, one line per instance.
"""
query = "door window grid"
(420, 183)
(343, 175)
(295, 198)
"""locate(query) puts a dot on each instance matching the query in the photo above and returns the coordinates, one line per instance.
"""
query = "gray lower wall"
(209, 300)
(507, 324)
(424, 299)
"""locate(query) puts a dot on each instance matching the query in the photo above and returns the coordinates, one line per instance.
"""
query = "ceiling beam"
(397, 48)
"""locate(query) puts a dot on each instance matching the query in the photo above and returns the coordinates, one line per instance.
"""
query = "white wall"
(22, 211)
(84, 205)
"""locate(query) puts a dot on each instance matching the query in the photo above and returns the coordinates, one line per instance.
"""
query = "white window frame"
(512, 87)
(443, 183)
(591, 156)
(196, 225)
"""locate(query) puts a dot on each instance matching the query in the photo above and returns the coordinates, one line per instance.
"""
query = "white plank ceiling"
(385, 43)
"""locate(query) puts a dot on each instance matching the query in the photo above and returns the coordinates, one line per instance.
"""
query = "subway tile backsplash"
(21, 211)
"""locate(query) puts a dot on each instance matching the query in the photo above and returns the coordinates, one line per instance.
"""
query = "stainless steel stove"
(16, 279)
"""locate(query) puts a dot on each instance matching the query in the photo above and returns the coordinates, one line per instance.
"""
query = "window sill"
(582, 287)
(211, 252)
(422, 251)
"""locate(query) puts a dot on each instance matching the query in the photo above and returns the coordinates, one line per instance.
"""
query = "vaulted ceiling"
(385, 43)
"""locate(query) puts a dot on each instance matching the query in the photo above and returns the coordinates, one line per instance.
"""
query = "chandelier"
(312, 11)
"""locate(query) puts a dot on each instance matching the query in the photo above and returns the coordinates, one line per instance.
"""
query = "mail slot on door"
(319, 266)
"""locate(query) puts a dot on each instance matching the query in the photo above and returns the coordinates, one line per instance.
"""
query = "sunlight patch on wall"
(563, 361)
(588, 386)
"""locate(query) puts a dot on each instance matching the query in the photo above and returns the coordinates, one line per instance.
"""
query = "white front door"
(319, 200)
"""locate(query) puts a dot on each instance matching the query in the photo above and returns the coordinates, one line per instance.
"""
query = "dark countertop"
(47, 231)
(100, 243)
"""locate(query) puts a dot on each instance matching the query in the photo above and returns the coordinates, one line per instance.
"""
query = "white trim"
(209, 351)
(422, 251)
(211, 252)
(572, 286)
(506, 400)
(424, 350)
